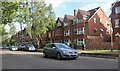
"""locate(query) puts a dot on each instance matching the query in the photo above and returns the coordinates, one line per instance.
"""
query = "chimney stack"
(75, 12)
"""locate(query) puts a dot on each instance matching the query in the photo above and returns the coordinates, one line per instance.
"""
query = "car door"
(47, 49)
(52, 50)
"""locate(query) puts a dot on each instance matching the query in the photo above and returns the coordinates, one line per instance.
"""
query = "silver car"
(60, 51)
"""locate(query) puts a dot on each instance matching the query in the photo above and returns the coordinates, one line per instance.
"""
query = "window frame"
(95, 20)
(117, 9)
(117, 23)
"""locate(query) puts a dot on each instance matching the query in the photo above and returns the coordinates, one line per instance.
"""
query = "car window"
(52, 45)
(47, 46)
(62, 46)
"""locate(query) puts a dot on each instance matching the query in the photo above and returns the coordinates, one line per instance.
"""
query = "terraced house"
(115, 19)
(82, 28)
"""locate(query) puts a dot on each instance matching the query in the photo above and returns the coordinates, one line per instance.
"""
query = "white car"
(29, 47)
(13, 48)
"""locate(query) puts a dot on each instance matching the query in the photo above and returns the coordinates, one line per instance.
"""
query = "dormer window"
(59, 23)
(65, 23)
(95, 20)
(74, 21)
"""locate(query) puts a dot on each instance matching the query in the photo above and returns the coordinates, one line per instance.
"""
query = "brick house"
(82, 28)
(115, 19)
(91, 25)
(58, 31)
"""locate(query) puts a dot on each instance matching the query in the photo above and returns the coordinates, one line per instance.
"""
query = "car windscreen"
(62, 46)
(31, 46)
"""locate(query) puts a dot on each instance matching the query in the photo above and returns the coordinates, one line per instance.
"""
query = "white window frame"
(67, 33)
(80, 42)
(79, 19)
(107, 32)
(117, 9)
(100, 21)
(95, 20)
(65, 24)
(117, 23)
(59, 23)
(80, 30)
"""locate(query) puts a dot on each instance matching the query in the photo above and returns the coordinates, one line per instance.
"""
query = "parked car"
(21, 47)
(60, 51)
(29, 47)
(5, 47)
(13, 48)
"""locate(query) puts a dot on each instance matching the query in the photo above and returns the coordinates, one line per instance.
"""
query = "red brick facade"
(77, 30)
(115, 19)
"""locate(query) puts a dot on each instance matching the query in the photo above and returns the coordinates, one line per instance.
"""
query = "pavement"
(35, 60)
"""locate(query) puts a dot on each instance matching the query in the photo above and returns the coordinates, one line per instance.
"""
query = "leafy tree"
(43, 18)
(9, 12)
(8, 15)
(3, 33)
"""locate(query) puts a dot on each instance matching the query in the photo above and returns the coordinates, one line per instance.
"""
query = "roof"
(69, 17)
(92, 11)
(83, 12)
(61, 19)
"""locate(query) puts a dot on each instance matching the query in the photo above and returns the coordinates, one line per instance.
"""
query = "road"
(35, 60)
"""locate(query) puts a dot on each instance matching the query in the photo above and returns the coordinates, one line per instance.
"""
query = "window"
(75, 40)
(77, 20)
(59, 23)
(117, 23)
(75, 31)
(80, 30)
(94, 20)
(101, 31)
(67, 33)
(107, 32)
(65, 23)
(95, 30)
(80, 42)
(67, 42)
(117, 10)
(74, 21)
(100, 21)
(80, 20)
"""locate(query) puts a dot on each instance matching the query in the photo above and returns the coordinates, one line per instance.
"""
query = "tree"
(7, 16)
(43, 18)
(9, 12)
(3, 33)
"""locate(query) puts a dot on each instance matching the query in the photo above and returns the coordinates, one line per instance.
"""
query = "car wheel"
(44, 54)
(59, 56)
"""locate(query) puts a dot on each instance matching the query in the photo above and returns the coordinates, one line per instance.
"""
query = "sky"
(62, 7)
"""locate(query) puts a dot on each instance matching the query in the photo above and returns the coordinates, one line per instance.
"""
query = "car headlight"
(65, 52)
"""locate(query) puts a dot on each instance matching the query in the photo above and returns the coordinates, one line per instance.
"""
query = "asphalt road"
(35, 60)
